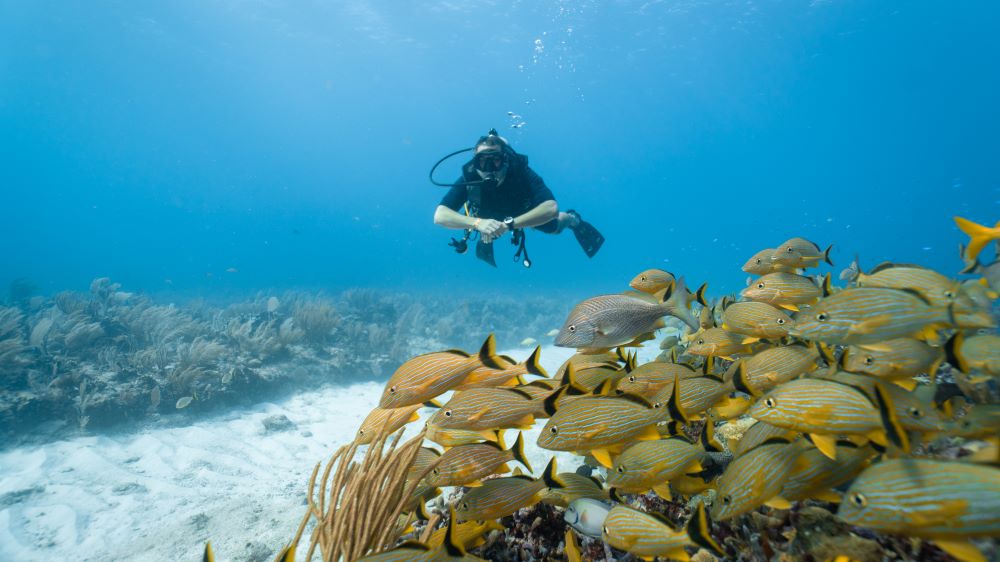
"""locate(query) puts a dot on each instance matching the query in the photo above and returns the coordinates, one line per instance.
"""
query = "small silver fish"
(587, 516)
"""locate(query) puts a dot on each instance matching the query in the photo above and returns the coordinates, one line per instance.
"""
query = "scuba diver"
(498, 193)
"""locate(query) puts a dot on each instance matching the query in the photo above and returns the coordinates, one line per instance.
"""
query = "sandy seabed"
(160, 492)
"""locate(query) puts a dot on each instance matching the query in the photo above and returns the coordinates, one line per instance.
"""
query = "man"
(500, 194)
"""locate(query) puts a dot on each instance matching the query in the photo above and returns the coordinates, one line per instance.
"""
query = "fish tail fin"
(953, 350)
(549, 475)
(708, 367)
(971, 265)
(287, 554)
(741, 382)
(518, 451)
(432, 403)
(488, 353)
(452, 544)
(674, 403)
(209, 556)
(549, 404)
(699, 531)
(825, 353)
(707, 438)
(699, 295)
(979, 236)
(827, 288)
(893, 429)
(534, 365)
(422, 513)
(826, 254)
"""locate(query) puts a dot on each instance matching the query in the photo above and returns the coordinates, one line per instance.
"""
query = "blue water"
(162, 143)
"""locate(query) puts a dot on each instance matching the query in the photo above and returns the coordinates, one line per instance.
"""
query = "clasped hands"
(489, 229)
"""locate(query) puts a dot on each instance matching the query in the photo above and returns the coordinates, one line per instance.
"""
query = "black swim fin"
(589, 238)
(485, 253)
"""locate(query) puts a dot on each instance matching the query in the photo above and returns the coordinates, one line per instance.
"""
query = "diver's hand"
(490, 229)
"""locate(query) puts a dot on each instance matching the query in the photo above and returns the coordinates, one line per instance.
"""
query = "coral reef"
(108, 356)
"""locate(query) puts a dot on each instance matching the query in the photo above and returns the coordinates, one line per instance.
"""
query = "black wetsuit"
(521, 191)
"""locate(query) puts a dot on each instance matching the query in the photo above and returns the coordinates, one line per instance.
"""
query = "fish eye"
(572, 327)
(701, 342)
(769, 402)
(605, 529)
(621, 469)
(447, 413)
(392, 390)
(789, 250)
(553, 430)
(361, 432)
(465, 506)
(760, 285)
(859, 499)
(781, 321)
(758, 261)
(727, 499)
(949, 294)
(869, 360)
(631, 378)
(915, 412)
(643, 278)
(658, 405)
(821, 317)
(437, 472)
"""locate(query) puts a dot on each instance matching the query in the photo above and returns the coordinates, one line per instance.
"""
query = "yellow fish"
(465, 465)
(717, 342)
(389, 420)
(510, 374)
(756, 320)
(762, 264)
(648, 535)
(575, 486)
(766, 369)
(649, 464)
(815, 475)
(652, 281)
(799, 252)
(913, 413)
(979, 236)
(978, 353)
(500, 497)
(937, 289)
(486, 409)
(946, 501)
(447, 437)
(786, 290)
(469, 534)
(757, 434)
(899, 359)
(429, 375)
(755, 478)
(648, 378)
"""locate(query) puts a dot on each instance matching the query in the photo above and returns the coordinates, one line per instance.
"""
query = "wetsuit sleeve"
(539, 191)
(456, 196)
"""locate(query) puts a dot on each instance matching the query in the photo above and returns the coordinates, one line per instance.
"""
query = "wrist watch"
(509, 223)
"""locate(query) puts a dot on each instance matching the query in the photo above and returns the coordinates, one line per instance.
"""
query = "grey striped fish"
(648, 378)
(785, 290)
(717, 342)
(825, 408)
(597, 423)
(898, 359)
(429, 375)
(767, 369)
(574, 487)
(865, 315)
(762, 264)
(482, 409)
(648, 535)
(611, 320)
(799, 252)
(755, 478)
(937, 289)
(945, 501)
(465, 465)
(756, 320)
(644, 465)
(815, 475)
(500, 497)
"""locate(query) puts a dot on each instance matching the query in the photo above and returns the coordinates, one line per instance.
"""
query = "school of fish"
(845, 387)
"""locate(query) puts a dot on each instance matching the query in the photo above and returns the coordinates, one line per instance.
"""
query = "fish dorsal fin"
(454, 352)
(527, 477)
(663, 519)
(413, 545)
(882, 267)
(633, 398)
(508, 359)
(534, 364)
(488, 353)
(520, 393)
(917, 294)
(674, 403)
(699, 531)
(772, 441)
(452, 544)
(714, 377)
(549, 404)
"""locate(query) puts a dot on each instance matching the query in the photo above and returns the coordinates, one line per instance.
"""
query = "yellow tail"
(979, 236)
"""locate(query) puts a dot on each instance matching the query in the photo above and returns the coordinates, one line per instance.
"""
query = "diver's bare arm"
(448, 218)
(543, 213)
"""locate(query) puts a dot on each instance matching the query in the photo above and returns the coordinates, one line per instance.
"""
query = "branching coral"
(356, 506)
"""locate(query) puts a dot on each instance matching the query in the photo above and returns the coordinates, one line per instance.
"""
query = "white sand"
(160, 493)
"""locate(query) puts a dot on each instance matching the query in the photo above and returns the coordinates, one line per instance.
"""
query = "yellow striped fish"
(469, 534)
(815, 475)
(592, 377)
(785, 290)
(429, 375)
(575, 486)
(585, 360)
(799, 252)
(500, 497)
(485, 377)
(976, 354)
(825, 408)
(899, 359)
(762, 264)
(652, 281)
(759, 433)
(597, 423)
(946, 501)
(450, 548)
(865, 315)
(648, 464)
(388, 420)
(913, 413)
(696, 395)
(767, 369)
(981, 422)
(937, 289)
(465, 465)
(648, 535)
(756, 320)
(648, 378)
(717, 342)
(447, 437)
(486, 409)
(755, 478)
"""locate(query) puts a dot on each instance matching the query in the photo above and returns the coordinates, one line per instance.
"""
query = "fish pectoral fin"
(962, 550)
(649, 434)
(478, 415)
(879, 438)
(663, 490)
(749, 340)
(778, 502)
(679, 554)
(413, 417)
(791, 307)
(876, 347)
(771, 376)
(869, 325)
(473, 484)
(827, 444)
(603, 457)
(527, 422)
(596, 431)
(908, 384)
(827, 496)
